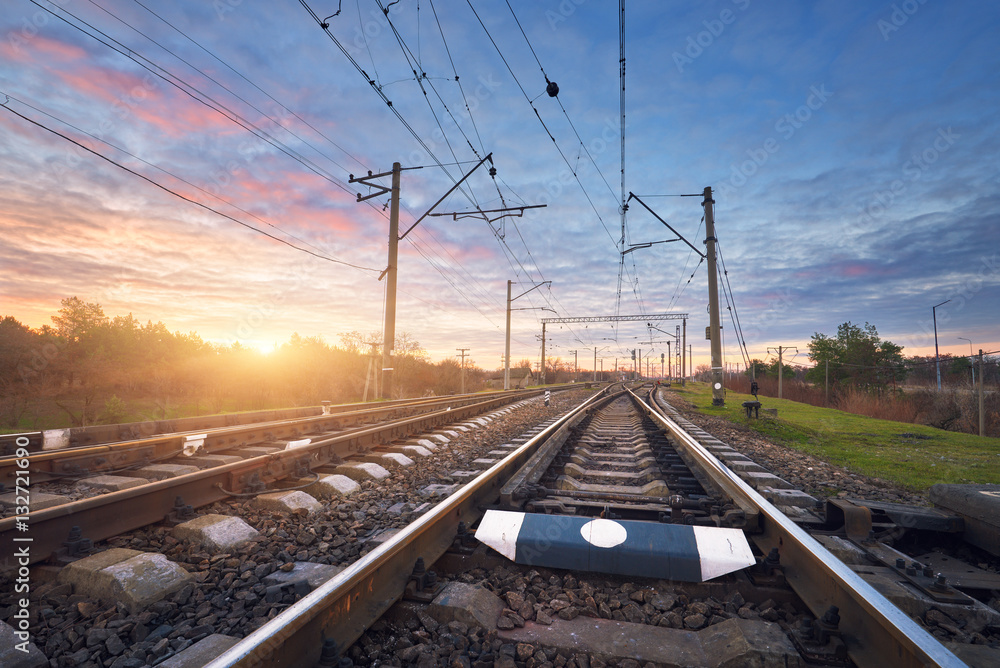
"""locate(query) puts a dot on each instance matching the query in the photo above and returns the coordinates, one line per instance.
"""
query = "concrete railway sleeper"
(633, 562)
(80, 590)
(74, 453)
(458, 617)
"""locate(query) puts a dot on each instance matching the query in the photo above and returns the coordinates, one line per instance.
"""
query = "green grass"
(912, 456)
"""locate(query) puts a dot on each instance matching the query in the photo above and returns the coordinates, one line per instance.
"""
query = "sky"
(852, 148)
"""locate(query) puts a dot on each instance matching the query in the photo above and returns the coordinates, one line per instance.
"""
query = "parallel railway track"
(110, 514)
(620, 456)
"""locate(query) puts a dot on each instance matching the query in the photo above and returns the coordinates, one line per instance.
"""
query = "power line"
(191, 91)
(186, 199)
(160, 169)
(544, 126)
(239, 74)
(731, 299)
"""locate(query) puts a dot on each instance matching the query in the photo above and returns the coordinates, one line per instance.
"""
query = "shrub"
(115, 411)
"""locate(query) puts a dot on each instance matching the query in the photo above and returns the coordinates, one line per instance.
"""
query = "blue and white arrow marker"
(620, 547)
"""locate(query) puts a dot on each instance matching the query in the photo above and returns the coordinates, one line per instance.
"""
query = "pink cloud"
(21, 48)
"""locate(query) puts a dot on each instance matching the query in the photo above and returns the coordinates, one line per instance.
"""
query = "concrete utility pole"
(506, 350)
(718, 393)
(543, 353)
(506, 355)
(937, 356)
(675, 361)
(684, 338)
(389, 326)
(982, 381)
(595, 364)
(576, 366)
(781, 372)
(389, 335)
(462, 351)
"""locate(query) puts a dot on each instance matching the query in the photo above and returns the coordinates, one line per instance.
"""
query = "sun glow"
(265, 348)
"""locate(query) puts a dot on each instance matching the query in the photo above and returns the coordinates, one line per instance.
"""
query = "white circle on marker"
(718, 386)
(603, 533)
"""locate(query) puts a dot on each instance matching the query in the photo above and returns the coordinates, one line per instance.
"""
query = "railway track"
(619, 461)
(131, 484)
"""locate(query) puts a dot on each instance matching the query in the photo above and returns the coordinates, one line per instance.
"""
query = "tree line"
(858, 372)
(858, 359)
(89, 368)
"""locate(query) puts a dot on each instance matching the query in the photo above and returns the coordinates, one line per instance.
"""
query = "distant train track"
(222, 461)
(89, 451)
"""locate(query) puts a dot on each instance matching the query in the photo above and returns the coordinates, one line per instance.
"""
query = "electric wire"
(741, 341)
(419, 76)
(579, 139)
(454, 70)
(187, 199)
(542, 122)
(194, 93)
(396, 112)
(160, 169)
(377, 88)
(249, 81)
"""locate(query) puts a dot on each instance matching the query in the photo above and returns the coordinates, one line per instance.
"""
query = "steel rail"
(111, 514)
(129, 431)
(875, 631)
(89, 460)
(339, 611)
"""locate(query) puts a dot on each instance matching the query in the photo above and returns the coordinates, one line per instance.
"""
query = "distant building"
(520, 378)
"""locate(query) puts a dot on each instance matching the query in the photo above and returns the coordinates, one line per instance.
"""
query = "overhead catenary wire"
(410, 59)
(542, 122)
(377, 88)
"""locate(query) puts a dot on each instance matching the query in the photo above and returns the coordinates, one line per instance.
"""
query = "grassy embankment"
(913, 456)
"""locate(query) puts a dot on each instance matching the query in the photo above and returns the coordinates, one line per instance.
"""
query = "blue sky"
(852, 147)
